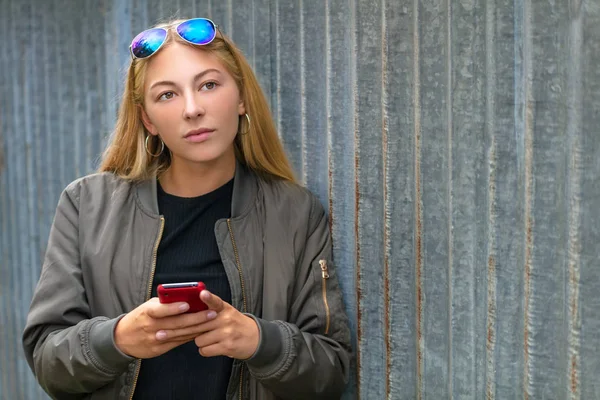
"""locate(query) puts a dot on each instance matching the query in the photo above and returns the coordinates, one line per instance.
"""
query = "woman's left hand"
(230, 334)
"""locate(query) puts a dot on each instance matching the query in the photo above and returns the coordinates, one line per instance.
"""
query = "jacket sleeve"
(69, 352)
(308, 357)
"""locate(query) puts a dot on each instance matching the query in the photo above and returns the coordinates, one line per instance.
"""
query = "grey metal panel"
(584, 172)
(469, 196)
(547, 371)
(400, 143)
(289, 96)
(433, 162)
(506, 200)
(341, 134)
(370, 201)
(454, 144)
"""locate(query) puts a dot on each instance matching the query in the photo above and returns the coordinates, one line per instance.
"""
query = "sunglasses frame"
(133, 56)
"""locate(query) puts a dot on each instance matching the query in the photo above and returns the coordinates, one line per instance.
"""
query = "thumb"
(213, 301)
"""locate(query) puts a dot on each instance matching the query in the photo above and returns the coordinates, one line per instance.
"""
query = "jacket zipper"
(245, 306)
(325, 275)
(148, 293)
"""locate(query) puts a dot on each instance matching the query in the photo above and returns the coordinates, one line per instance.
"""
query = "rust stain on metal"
(573, 318)
(419, 308)
(418, 212)
(353, 59)
(574, 256)
(491, 325)
(328, 112)
(418, 273)
(330, 189)
(528, 132)
(491, 304)
(386, 235)
(388, 343)
(528, 240)
(491, 273)
(574, 130)
(1, 148)
(357, 242)
(386, 280)
(574, 378)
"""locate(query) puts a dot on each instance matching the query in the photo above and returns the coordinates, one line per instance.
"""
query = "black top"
(188, 252)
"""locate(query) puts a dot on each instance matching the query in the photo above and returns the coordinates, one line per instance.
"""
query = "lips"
(198, 135)
(198, 132)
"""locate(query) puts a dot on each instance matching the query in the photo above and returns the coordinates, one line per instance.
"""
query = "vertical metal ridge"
(90, 99)
(31, 243)
(272, 94)
(491, 272)
(529, 107)
(354, 79)
(386, 210)
(229, 18)
(418, 212)
(17, 188)
(74, 130)
(88, 103)
(5, 272)
(574, 179)
(253, 47)
(328, 107)
(7, 237)
(47, 131)
(39, 166)
(4, 265)
(278, 68)
(110, 84)
(59, 84)
(449, 105)
(490, 117)
(303, 97)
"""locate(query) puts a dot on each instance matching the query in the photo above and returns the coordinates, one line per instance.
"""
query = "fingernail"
(184, 307)
(211, 315)
(160, 335)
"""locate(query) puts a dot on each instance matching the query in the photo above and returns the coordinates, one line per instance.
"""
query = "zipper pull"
(324, 269)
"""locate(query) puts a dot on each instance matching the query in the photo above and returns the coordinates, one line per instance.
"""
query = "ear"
(241, 108)
(147, 123)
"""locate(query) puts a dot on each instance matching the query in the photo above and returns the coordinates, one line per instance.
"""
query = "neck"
(188, 179)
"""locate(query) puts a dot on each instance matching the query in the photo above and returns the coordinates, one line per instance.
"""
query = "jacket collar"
(245, 190)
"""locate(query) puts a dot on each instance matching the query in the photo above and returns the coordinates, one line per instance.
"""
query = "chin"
(207, 155)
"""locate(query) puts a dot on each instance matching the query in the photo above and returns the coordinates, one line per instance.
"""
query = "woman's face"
(192, 102)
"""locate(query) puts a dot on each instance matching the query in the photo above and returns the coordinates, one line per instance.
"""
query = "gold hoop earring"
(248, 119)
(162, 148)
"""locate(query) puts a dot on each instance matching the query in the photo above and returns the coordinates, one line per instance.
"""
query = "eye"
(166, 96)
(209, 86)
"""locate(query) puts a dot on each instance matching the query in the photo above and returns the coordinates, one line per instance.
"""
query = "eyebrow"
(197, 77)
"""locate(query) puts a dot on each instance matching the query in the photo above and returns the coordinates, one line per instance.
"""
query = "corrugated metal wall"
(455, 144)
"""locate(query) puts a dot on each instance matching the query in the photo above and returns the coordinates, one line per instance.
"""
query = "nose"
(193, 107)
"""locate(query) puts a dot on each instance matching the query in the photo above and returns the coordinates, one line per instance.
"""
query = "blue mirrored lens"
(147, 42)
(197, 31)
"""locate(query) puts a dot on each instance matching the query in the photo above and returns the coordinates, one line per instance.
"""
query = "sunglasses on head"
(199, 31)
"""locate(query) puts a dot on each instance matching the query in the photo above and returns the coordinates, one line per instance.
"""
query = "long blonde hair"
(257, 146)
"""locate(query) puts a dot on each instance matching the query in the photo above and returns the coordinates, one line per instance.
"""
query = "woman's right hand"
(140, 333)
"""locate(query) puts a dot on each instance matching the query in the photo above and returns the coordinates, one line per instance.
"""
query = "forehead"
(179, 62)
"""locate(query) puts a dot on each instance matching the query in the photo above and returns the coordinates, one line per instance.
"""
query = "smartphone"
(188, 292)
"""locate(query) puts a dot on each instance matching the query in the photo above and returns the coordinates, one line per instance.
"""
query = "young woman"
(194, 187)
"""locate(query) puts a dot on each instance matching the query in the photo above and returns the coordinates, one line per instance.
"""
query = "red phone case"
(188, 292)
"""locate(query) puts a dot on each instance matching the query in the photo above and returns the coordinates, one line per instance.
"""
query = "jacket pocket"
(324, 278)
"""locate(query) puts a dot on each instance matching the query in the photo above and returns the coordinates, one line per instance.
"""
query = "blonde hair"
(258, 146)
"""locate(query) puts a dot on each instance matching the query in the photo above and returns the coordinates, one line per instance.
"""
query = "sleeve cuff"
(103, 348)
(270, 345)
